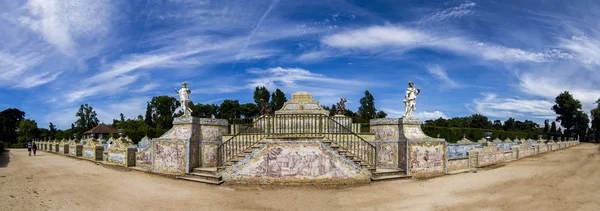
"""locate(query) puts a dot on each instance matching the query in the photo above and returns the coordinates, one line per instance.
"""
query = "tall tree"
(27, 130)
(367, 110)
(229, 109)
(546, 126)
(9, 122)
(52, 132)
(553, 127)
(595, 112)
(204, 110)
(163, 111)
(261, 93)
(148, 116)
(332, 110)
(87, 118)
(122, 117)
(582, 122)
(566, 108)
(277, 100)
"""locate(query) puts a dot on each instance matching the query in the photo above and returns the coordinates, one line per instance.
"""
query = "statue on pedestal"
(184, 97)
(341, 106)
(410, 99)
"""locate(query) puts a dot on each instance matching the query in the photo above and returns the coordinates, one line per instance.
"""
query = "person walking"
(29, 147)
(34, 148)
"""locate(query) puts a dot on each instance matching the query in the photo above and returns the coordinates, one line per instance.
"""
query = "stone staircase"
(209, 175)
(377, 174)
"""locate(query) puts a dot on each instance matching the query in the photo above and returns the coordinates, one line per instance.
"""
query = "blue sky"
(498, 58)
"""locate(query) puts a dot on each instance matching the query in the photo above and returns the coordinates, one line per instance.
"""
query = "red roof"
(102, 129)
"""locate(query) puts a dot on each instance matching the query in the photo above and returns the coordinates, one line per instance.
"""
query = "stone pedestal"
(93, 150)
(75, 149)
(191, 143)
(121, 153)
(417, 153)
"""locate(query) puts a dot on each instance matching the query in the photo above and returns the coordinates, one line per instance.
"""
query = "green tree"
(52, 131)
(261, 93)
(204, 110)
(380, 114)
(249, 110)
(546, 126)
(480, 121)
(497, 125)
(87, 119)
(581, 125)
(148, 116)
(9, 122)
(510, 124)
(122, 117)
(277, 100)
(566, 108)
(367, 109)
(553, 127)
(332, 110)
(163, 111)
(595, 112)
(229, 109)
(27, 130)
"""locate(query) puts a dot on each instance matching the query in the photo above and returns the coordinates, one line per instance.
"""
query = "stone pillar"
(211, 131)
(418, 154)
(179, 150)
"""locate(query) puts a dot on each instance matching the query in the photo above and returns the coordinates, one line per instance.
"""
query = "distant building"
(102, 131)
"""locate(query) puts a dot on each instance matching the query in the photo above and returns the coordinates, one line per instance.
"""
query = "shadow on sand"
(4, 158)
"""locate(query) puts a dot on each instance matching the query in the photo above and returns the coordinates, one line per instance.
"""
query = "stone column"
(211, 131)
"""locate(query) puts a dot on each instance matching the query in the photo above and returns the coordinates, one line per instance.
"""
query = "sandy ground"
(568, 179)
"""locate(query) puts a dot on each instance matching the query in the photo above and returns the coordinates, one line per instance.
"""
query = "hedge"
(1, 147)
(452, 134)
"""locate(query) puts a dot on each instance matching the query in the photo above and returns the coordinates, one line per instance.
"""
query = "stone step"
(201, 180)
(389, 177)
(206, 170)
(387, 172)
(206, 176)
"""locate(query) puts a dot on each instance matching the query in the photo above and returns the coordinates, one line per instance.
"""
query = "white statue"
(410, 99)
(184, 97)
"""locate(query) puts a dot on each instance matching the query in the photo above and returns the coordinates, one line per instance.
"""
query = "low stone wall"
(460, 164)
(145, 151)
(387, 154)
(486, 156)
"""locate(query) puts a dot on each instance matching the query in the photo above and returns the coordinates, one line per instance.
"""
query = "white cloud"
(439, 73)
(62, 23)
(424, 115)
(38, 79)
(585, 49)
(493, 106)
(464, 9)
(376, 38)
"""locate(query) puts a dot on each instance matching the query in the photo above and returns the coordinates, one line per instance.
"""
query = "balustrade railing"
(335, 129)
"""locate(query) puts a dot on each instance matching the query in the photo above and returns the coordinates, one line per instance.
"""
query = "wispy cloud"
(462, 10)
(439, 73)
(491, 105)
(378, 38)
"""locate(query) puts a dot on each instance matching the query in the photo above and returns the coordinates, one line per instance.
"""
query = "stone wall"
(75, 149)
(144, 154)
(295, 162)
(212, 131)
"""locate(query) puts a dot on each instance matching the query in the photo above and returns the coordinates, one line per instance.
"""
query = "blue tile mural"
(455, 151)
